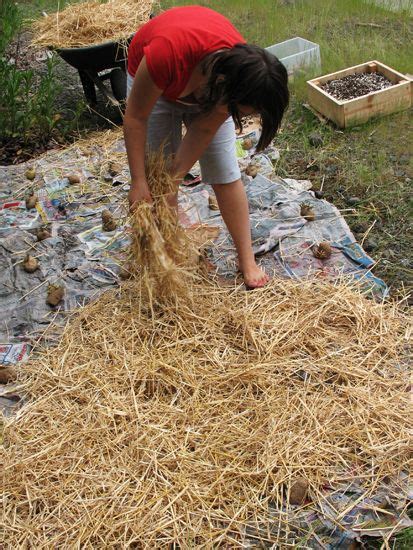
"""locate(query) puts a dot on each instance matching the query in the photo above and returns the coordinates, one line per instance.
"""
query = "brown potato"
(30, 264)
(322, 251)
(7, 374)
(298, 491)
(108, 221)
(106, 216)
(42, 233)
(31, 201)
(307, 212)
(247, 144)
(55, 295)
(252, 170)
(73, 179)
(114, 168)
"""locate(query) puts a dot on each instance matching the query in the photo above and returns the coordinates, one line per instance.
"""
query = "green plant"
(9, 22)
(27, 99)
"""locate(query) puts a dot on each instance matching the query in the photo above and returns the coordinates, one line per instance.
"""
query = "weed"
(27, 100)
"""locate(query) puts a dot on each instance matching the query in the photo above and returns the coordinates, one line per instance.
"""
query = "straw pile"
(91, 23)
(163, 420)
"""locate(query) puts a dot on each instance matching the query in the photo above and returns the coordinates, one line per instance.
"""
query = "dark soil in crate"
(356, 85)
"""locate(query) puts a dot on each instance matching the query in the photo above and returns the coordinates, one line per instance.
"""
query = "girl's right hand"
(139, 193)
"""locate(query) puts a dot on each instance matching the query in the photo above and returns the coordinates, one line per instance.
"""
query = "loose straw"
(175, 411)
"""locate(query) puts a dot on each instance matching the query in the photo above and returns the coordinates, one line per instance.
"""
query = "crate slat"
(347, 113)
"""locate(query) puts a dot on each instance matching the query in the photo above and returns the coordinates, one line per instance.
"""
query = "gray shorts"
(219, 162)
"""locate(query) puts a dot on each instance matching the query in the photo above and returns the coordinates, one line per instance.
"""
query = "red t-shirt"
(175, 41)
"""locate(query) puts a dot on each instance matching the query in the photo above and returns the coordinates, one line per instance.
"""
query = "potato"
(30, 264)
(55, 295)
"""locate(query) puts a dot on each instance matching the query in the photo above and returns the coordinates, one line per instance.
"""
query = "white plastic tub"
(394, 5)
(297, 53)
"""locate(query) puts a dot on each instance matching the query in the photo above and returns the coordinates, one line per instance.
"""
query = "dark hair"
(248, 75)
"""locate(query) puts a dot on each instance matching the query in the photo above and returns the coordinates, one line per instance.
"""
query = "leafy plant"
(27, 99)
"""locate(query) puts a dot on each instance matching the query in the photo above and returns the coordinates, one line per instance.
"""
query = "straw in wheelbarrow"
(182, 421)
(90, 23)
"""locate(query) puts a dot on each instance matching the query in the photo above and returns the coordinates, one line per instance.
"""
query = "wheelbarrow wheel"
(118, 83)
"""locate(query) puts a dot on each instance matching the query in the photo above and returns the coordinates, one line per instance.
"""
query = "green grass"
(372, 161)
(403, 541)
(330, 23)
(33, 9)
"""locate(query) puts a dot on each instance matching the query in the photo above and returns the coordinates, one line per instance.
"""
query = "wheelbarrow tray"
(97, 57)
(91, 60)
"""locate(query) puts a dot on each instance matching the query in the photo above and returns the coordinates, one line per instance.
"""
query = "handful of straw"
(161, 253)
(90, 23)
(186, 422)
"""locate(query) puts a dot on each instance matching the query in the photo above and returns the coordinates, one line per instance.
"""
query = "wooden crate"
(360, 109)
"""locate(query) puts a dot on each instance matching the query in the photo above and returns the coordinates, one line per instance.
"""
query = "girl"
(190, 65)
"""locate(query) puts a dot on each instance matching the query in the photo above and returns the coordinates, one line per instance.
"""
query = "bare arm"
(141, 101)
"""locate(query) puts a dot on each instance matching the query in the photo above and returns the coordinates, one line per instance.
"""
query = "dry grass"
(91, 23)
(179, 416)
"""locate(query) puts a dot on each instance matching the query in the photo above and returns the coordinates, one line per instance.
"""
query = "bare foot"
(254, 276)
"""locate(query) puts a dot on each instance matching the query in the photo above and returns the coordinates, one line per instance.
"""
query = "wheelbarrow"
(97, 63)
